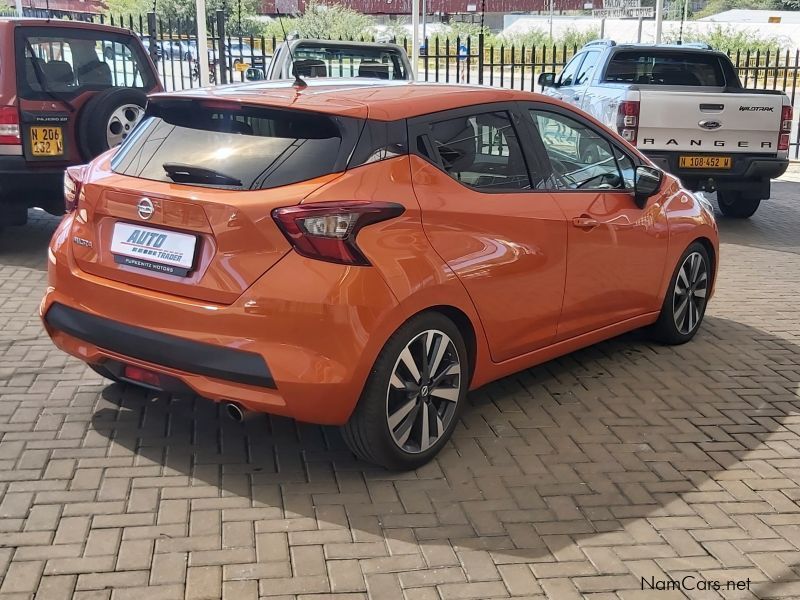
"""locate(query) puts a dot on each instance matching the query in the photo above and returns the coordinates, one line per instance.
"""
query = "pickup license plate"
(46, 141)
(158, 250)
(705, 162)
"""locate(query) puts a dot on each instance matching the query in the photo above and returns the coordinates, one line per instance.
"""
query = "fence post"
(151, 33)
(223, 59)
(480, 58)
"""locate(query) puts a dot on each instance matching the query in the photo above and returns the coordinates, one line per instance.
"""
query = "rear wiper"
(188, 174)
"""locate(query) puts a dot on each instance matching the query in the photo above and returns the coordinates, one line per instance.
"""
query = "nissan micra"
(362, 254)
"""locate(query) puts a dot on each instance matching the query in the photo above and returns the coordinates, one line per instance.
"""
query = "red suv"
(68, 92)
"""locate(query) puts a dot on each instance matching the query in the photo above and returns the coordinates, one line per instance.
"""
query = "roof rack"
(600, 43)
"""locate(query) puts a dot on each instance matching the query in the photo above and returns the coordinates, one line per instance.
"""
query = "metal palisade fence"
(441, 59)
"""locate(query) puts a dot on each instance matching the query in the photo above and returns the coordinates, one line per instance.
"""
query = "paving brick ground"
(572, 480)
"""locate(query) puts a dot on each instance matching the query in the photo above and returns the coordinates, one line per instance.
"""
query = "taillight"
(73, 186)
(786, 128)
(327, 230)
(9, 126)
(628, 120)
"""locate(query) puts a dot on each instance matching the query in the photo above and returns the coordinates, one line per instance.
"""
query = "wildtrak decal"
(756, 108)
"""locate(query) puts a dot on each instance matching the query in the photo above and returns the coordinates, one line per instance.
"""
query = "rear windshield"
(352, 61)
(665, 68)
(237, 148)
(69, 61)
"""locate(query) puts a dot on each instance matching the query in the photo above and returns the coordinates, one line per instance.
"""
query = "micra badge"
(82, 242)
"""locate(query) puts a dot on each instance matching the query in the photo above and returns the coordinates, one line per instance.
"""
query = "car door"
(504, 239)
(616, 250)
(563, 90)
(583, 77)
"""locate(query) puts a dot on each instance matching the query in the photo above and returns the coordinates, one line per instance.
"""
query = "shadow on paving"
(26, 246)
(611, 446)
(775, 225)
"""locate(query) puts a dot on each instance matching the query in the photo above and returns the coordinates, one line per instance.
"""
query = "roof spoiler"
(600, 43)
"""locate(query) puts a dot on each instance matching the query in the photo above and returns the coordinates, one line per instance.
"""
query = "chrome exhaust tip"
(234, 412)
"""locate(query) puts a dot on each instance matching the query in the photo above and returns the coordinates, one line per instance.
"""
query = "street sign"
(621, 9)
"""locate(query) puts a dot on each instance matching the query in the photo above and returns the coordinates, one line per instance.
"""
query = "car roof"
(61, 23)
(361, 98)
(313, 43)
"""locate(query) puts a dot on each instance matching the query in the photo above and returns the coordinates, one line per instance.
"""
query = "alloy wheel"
(122, 122)
(689, 295)
(424, 390)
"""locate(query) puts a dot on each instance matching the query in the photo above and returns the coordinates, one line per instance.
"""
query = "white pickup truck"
(685, 108)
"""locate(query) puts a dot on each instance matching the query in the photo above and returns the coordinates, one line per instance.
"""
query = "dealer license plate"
(153, 249)
(705, 162)
(46, 141)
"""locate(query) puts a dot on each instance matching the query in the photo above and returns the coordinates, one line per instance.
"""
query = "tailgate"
(725, 123)
(184, 206)
(228, 237)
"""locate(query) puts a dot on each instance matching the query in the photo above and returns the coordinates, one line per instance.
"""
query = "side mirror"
(254, 74)
(646, 182)
(547, 79)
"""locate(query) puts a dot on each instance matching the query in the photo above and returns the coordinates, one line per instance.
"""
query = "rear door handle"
(585, 222)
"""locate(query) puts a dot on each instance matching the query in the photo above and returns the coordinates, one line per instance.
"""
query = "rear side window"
(481, 151)
(647, 67)
(237, 148)
(67, 62)
(344, 61)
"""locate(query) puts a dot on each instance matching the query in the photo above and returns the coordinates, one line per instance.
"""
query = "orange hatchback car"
(362, 254)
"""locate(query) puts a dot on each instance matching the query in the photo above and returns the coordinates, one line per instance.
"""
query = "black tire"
(667, 330)
(368, 434)
(734, 205)
(95, 114)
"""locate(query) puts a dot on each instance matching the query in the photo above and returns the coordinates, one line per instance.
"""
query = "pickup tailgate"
(726, 123)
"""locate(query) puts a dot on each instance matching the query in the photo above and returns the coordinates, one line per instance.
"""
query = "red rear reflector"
(783, 141)
(9, 126)
(141, 375)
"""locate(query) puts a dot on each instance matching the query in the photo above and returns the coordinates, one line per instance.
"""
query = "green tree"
(726, 39)
(332, 21)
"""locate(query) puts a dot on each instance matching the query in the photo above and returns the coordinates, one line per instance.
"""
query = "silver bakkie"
(685, 108)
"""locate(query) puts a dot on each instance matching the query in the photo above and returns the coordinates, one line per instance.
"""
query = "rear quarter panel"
(400, 251)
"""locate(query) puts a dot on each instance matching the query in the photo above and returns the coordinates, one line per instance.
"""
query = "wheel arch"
(465, 326)
(712, 255)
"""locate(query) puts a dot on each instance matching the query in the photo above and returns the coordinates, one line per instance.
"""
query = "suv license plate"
(705, 162)
(46, 141)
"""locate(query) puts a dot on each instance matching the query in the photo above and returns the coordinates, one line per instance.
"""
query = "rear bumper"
(169, 351)
(300, 342)
(747, 170)
(23, 183)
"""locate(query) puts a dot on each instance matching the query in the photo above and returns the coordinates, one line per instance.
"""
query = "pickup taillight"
(9, 126)
(786, 128)
(628, 120)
